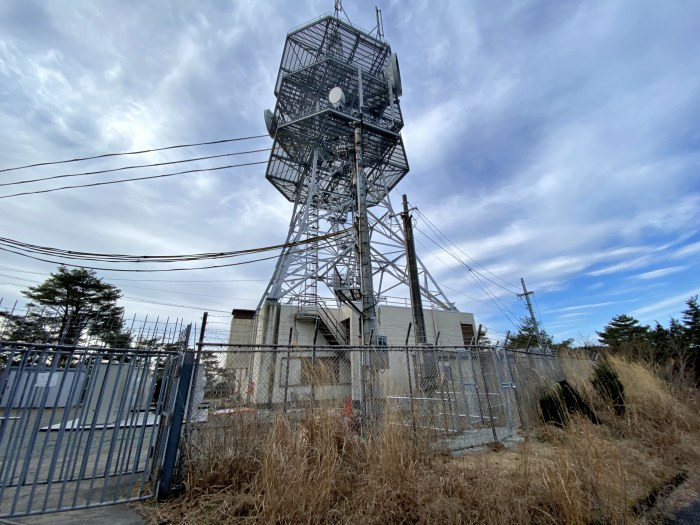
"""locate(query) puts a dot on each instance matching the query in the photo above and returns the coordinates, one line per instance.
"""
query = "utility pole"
(429, 373)
(414, 285)
(536, 327)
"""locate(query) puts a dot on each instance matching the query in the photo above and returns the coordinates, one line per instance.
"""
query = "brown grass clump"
(242, 469)
(657, 419)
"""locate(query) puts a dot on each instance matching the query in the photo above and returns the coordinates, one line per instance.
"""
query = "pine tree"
(623, 330)
(659, 341)
(212, 371)
(691, 333)
(527, 337)
(691, 323)
(80, 304)
(483, 337)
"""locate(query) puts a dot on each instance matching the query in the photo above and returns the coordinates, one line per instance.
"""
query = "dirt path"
(682, 507)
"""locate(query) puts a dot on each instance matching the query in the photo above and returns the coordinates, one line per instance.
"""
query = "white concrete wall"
(394, 322)
(275, 323)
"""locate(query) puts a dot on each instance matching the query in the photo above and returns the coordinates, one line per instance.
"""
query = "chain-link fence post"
(486, 393)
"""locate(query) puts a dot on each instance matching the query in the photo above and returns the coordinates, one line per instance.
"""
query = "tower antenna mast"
(336, 155)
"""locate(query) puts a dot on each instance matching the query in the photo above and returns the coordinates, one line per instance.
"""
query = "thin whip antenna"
(338, 9)
(380, 23)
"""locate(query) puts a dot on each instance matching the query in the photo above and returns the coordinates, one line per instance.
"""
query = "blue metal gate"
(81, 427)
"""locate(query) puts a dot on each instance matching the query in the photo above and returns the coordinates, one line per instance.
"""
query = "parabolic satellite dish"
(336, 97)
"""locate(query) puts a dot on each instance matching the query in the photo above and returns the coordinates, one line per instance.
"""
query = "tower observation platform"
(333, 77)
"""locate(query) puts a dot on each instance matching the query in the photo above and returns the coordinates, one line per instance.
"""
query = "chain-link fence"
(465, 396)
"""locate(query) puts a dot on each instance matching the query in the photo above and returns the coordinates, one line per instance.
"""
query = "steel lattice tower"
(337, 153)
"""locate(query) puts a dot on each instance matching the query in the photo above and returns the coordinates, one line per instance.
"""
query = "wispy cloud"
(669, 306)
(661, 272)
(688, 250)
(585, 306)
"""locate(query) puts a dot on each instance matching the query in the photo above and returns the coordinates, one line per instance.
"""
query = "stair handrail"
(332, 323)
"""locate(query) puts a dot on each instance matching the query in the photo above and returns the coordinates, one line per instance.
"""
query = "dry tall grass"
(243, 470)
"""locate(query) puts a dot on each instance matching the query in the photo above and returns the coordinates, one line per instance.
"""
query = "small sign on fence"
(44, 379)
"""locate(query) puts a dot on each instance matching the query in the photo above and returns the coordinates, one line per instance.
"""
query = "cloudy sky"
(555, 141)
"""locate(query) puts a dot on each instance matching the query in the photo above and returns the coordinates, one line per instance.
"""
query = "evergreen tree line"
(677, 345)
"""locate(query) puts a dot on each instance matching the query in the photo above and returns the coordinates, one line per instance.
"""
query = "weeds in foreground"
(241, 470)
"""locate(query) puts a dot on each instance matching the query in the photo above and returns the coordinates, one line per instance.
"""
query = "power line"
(163, 175)
(10, 269)
(477, 276)
(496, 300)
(111, 257)
(194, 281)
(136, 166)
(131, 287)
(306, 241)
(190, 293)
(468, 296)
(18, 270)
(488, 294)
(473, 275)
(18, 278)
(132, 152)
(146, 301)
(60, 263)
(534, 296)
(437, 230)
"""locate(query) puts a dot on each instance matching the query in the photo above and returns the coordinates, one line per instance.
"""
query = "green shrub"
(552, 407)
(607, 384)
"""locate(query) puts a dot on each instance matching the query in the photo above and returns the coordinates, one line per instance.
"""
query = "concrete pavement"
(110, 515)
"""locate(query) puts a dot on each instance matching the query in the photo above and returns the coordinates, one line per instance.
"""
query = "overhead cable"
(18, 270)
(163, 175)
(105, 155)
(137, 166)
(491, 296)
(141, 270)
(477, 276)
(114, 257)
(439, 233)
(131, 287)
(138, 270)
(148, 301)
(474, 275)
(158, 303)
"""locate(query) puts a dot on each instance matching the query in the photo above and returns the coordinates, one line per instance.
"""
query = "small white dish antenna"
(336, 97)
